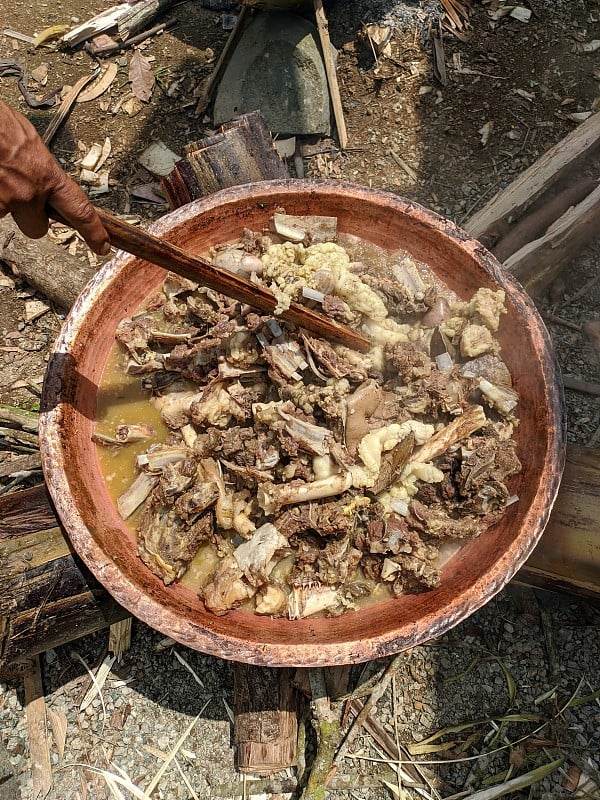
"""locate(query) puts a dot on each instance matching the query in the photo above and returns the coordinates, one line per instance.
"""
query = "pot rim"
(278, 653)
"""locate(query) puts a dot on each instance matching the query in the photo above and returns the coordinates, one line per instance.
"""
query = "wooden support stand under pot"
(49, 598)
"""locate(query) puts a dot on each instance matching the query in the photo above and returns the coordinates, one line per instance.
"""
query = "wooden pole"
(334, 89)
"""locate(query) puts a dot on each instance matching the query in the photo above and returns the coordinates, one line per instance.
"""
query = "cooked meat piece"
(488, 366)
(228, 589)
(409, 362)
(400, 301)
(254, 556)
(437, 523)
(167, 543)
(330, 362)
(336, 308)
(337, 562)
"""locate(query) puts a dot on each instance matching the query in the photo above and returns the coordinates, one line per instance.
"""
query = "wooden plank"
(39, 750)
(334, 89)
(208, 86)
(568, 555)
(532, 183)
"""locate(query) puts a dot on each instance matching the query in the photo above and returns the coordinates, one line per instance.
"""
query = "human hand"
(31, 180)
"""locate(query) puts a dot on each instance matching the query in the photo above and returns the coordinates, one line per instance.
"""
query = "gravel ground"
(524, 653)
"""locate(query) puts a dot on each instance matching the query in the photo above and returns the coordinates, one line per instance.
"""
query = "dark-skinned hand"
(31, 181)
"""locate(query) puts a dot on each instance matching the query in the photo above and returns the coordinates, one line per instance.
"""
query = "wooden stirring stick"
(140, 243)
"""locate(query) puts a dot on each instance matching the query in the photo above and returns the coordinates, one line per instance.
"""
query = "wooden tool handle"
(140, 243)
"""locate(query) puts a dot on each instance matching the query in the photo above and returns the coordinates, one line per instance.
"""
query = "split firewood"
(119, 638)
(537, 263)
(24, 463)
(19, 418)
(125, 19)
(533, 225)
(560, 160)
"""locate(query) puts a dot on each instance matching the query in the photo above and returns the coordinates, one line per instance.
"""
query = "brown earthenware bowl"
(108, 547)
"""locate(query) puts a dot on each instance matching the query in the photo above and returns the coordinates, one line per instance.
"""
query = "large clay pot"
(108, 548)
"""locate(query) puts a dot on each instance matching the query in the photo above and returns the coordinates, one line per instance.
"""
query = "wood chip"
(100, 679)
(59, 724)
(34, 309)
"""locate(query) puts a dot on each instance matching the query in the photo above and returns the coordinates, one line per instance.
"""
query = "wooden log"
(265, 727)
(45, 266)
(208, 85)
(48, 596)
(39, 743)
(242, 152)
(565, 157)
(536, 222)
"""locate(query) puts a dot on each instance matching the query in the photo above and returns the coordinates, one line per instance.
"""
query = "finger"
(31, 218)
(75, 208)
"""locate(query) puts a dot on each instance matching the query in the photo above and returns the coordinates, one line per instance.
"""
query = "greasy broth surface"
(121, 400)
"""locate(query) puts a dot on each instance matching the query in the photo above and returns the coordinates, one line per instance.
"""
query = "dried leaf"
(141, 76)
(48, 34)
(517, 756)
(516, 784)
(571, 780)
(100, 85)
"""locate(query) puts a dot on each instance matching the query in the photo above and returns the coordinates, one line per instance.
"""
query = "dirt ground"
(510, 91)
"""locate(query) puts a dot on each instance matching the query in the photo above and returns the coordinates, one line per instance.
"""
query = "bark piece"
(241, 152)
(265, 724)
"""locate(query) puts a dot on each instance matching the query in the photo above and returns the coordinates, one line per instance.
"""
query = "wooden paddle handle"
(140, 243)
